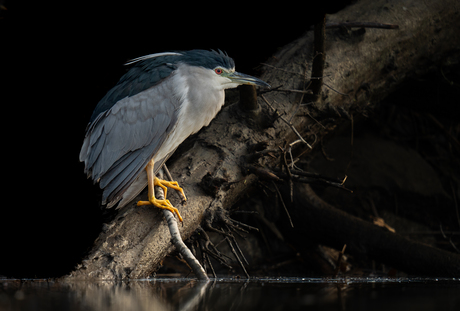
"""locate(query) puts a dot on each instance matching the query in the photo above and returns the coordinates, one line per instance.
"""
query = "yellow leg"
(154, 181)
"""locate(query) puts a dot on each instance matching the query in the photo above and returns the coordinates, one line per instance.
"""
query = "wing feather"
(118, 147)
(147, 72)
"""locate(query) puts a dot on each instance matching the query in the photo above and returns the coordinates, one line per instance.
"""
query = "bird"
(161, 100)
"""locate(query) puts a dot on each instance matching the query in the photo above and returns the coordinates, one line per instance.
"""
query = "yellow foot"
(164, 204)
(171, 184)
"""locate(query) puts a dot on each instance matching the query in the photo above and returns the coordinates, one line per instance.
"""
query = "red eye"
(218, 71)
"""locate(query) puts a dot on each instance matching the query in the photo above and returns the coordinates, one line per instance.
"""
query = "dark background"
(58, 60)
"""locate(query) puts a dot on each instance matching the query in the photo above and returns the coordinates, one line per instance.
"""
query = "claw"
(154, 181)
(170, 184)
(163, 204)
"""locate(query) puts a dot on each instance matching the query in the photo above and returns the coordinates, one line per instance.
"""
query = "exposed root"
(221, 223)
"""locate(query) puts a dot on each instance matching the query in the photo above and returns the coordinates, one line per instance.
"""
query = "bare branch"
(177, 240)
(287, 122)
(361, 25)
(284, 205)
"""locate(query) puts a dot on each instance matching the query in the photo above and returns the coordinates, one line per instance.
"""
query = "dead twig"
(306, 180)
(327, 85)
(324, 153)
(449, 135)
(294, 91)
(208, 261)
(286, 166)
(314, 175)
(287, 122)
(279, 89)
(284, 205)
(361, 25)
(312, 178)
(339, 261)
(277, 175)
(168, 174)
(449, 239)
(277, 68)
(304, 87)
(229, 238)
(317, 122)
(208, 247)
(262, 173)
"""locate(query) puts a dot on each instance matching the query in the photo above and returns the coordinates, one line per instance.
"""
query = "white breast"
(202, 98)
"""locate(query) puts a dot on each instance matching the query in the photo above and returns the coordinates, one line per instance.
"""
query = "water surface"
(233, 294)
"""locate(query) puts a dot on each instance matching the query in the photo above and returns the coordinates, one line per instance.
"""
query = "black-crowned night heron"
(156, 105)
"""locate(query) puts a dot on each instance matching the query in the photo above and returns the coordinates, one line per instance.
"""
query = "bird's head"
(221, 67)
(215, 67)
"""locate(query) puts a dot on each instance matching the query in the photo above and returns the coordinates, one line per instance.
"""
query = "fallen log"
(362, 67)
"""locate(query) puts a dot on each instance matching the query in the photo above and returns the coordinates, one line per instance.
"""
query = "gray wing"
(120, 141)
(147, 72)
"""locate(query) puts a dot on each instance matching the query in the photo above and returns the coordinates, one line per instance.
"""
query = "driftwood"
(365, 65)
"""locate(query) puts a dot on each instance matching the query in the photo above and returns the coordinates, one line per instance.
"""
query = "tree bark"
(365, 65)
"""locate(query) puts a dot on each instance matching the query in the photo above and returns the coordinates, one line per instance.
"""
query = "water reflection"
(231, 294)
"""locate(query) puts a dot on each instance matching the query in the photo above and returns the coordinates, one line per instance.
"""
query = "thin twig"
(285, 161)
(238, 224)
(339, 261)
(294, 142)
(303, 94)
(311, 178)
(361, 25)
(235, 253)
(326, 156)
(215, 252)
(168, 174)
(282, 202)
(290, 155)
(238, 247)
(311, 117)
(284, 120)
(449, 135)
(450, 239)
(210, 265)
(291, 184)
(313, 175)
(327, 85)
(293, 91)
(277, 68)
